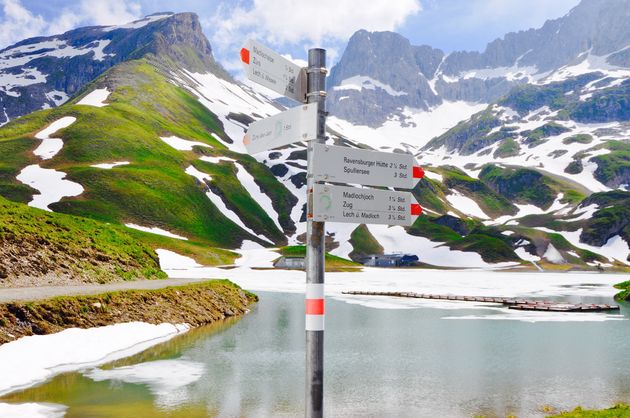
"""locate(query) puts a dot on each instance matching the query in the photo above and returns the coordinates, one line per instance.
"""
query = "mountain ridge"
(156, 143)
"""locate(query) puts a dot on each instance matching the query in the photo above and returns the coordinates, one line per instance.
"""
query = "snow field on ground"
(34, 359)
(109, 166)
(95, 98)
(248, 182)
(465, 205)
(32, 410)
(155, 230)
(476, 282)
(51, 185)
(423, 126)
(182, 144)
(51, 146)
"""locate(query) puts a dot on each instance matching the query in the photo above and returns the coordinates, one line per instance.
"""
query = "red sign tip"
(416, 209)
(418, 172)
(245, 55)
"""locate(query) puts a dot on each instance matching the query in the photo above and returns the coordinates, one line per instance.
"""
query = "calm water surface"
(379, 362)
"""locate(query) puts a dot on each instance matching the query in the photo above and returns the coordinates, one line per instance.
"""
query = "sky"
(293, 26)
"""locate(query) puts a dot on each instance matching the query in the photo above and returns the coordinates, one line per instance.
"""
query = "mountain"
(45, 72)
(155, 143)
(381, 76)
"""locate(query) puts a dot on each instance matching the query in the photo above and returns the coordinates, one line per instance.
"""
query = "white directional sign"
(293, 125)
(371, 168)
(272, 70)
(363, 206)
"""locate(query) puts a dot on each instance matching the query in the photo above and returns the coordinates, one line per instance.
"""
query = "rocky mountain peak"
(423, 77)
(44, 72)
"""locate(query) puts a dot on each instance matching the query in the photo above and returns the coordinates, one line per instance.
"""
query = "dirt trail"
(27, 294)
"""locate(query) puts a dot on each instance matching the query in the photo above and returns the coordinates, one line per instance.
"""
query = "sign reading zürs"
(293, 125)
(270, 69)
(363, 206)
(371, 168)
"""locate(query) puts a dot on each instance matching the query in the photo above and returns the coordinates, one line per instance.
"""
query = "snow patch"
(360, 82)
(553, 255)
(155, 230)
(109, 166)
(34, 359)
(51, 185)
(95, 98)
(525, 255)
(201, 176)
(57, 97)
(170, 260)
(32, 410)
(415, 127)
(216, 160)
(182, 144)
(433, 176)
(248, 182)
(466, 205)
(137, 24)
(51, 146)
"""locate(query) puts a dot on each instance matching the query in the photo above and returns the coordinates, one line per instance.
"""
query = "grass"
(194, 304)
(35, 242)
(492, 203)
(578, 139)
(529, 186)
(507, 148)
(625, 290)
(364, 243)
(153, 190)
(613, 168)
(618, 411)
(333, 263)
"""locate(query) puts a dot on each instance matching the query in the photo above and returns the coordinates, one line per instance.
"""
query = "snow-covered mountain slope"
(45, 72)
(156, 143)
(382, 77)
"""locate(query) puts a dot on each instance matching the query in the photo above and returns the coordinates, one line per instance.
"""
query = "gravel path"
(23, 294)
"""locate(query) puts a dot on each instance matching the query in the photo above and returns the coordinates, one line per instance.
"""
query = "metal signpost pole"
(316, 93)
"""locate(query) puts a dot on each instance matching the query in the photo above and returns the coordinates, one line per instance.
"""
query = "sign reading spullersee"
(368, 206)
(293, 125)
(272, 70)
(371, 168)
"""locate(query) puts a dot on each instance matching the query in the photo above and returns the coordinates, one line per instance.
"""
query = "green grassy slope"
(153, 190)
(35, 243)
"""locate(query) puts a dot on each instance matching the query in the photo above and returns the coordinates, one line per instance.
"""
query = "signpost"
(326, 163)
(371, 168)
(293, 125)
(272, 70)
(364, 206)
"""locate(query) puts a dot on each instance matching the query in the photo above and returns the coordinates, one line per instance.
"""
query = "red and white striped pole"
(315, 307)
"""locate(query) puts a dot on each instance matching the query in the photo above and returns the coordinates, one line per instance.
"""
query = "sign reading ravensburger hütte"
(370, 168)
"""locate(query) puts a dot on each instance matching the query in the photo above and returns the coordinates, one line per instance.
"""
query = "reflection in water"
(379, 362)
(168, 380)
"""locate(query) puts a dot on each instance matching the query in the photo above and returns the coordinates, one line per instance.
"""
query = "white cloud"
(19, 23)
(282, 22)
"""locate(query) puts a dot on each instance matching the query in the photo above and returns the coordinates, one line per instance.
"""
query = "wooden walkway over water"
(511, 303)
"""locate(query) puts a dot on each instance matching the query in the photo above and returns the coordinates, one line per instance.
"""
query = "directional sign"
(272, 70)
(363, 206)
(358, 166)
(293, 125)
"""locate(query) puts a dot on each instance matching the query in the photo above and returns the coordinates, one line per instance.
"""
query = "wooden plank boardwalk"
(511, 303)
